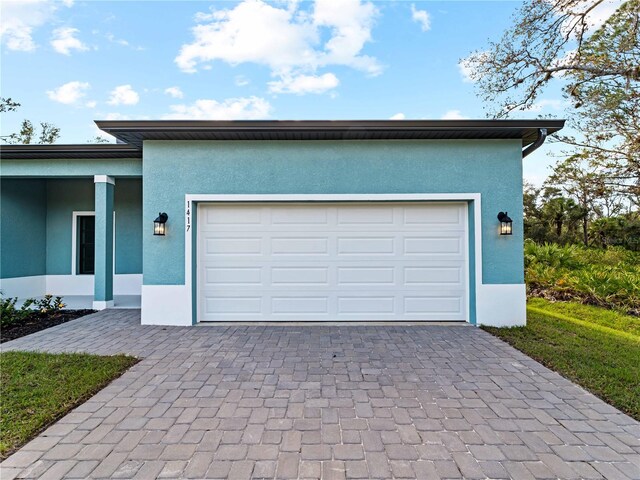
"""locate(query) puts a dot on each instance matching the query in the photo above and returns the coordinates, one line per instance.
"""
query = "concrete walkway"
(322, 402)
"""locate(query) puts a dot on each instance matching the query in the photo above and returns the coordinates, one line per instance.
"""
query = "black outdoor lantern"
(159, 224)
(505, 223)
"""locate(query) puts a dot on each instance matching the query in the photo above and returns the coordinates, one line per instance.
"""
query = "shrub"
(11, 315)
(605, 277)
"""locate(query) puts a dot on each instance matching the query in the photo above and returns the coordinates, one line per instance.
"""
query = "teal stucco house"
(210, 221)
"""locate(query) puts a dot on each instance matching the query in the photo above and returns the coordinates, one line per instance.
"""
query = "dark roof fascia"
(60, 151)
(136, 131)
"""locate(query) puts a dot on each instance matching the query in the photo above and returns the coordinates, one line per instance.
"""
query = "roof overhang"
(135, 132)
(88, 151)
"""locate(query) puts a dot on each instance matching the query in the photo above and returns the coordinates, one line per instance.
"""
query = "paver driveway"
(330, 402)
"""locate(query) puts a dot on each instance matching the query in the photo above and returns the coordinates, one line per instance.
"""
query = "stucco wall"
(172, 169)
(65, 196)
(23, 220)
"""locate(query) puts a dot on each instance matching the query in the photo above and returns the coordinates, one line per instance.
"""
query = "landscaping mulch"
(38, 322)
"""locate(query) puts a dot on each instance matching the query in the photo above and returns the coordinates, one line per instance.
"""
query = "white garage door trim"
(191, 236)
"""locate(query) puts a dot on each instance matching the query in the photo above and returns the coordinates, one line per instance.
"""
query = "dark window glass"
(86, 244)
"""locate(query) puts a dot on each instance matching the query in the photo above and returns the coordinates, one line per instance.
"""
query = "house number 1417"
(188, 215)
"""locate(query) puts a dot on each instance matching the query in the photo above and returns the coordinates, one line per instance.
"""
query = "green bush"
(605, 277)
(12, 315)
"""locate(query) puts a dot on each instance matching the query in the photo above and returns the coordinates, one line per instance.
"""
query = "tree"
(599, 66)
(48, 133)
(8, 105)
(584, 184)
(550, 38)
(98, 139)
(561, 214)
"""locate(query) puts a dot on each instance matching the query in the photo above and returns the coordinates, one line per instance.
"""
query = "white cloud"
(91, 104)
(597, 15)
(64, 41)
(120, 41)
(466, 71)
(292, 42)
(124, 95)
(397, 116)
(116, 116)
(302, 84)
(241, 80)
(175, 92)
(20, 18)
(249, 108)
(69, 93)
(422, 17)
(453, 115)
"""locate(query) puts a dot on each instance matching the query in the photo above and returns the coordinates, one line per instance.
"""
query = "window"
(86, 244)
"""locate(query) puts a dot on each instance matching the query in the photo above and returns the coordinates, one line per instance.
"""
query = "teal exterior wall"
(65, 168)
(64, 196)
(172, 169)
(36, 219)
(128, 206)
(23, 223)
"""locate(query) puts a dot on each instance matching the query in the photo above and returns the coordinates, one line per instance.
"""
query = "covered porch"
(69, 229)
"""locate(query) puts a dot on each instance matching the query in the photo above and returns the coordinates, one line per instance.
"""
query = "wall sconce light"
(505, 223)
(159, 224)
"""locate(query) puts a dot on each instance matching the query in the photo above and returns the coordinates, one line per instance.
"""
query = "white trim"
(24, 287)
(331, 197)
(127, 284)
(375, 197)
(75, 285)
(501, 305)
(104, 179)
(74, 236)
(102, 305)
(165, 305)
(74, 239)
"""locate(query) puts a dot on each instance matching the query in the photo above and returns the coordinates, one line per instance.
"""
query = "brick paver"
(322, 402)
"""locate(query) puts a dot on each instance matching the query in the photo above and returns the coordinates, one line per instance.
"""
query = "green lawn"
(39, 388)
(596, 348)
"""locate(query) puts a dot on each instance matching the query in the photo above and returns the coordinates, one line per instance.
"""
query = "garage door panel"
(433, 304)
(299, 246)
(367, 215)
(439, 215)
(302, 275)
(233, 276)
(233, 246)
(433, 246)
(245, 305)
(431, 275)
(295, 215)
(370, 305)
(332, 262)
(367, 275)
(365, 245)
(289, 304)
(221, 216)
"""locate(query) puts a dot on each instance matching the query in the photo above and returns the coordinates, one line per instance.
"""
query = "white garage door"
(332, 262)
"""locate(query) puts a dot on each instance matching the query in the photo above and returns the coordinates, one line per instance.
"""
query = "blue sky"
(71, 62)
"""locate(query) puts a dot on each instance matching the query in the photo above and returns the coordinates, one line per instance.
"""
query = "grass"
(39, 388)
(596, 348)
(607, 278)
